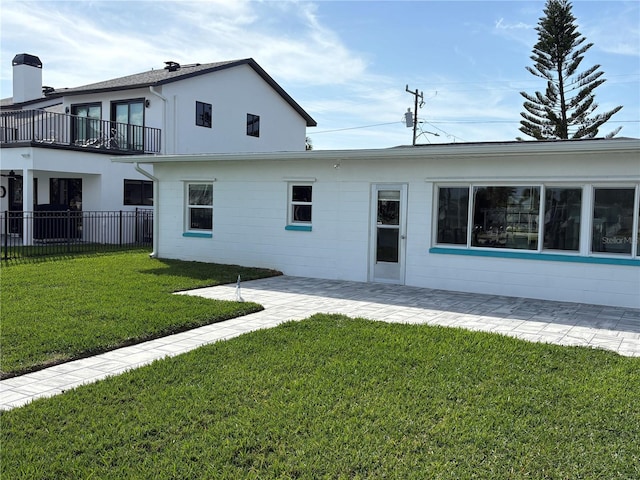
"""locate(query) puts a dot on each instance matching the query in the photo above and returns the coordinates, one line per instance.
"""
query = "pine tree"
(564, 110)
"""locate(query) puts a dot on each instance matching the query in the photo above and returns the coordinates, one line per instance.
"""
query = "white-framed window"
(561, 220)
(540, 218)
(199, 207)
(453, 215)
(300, 204)
(506, 217)
(615, 213)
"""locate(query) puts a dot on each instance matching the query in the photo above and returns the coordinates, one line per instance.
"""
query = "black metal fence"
(42, 233)
(76, 132)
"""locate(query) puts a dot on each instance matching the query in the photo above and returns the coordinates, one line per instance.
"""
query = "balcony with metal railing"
(57, 130)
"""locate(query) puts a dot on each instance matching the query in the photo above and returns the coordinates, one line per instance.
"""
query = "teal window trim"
(548, 257)
(197, 235)
(298, 228)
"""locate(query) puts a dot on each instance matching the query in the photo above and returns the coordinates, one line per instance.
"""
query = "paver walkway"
(293, 298)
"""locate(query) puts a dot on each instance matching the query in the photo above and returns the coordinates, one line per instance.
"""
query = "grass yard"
(332, 397)
(58, 310)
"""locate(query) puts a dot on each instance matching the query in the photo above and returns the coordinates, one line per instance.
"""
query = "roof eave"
(461, 150)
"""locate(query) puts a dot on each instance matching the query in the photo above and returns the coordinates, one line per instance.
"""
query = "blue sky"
(346, 62)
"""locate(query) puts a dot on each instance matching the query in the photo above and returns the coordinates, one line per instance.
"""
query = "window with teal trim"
(300, 205)
(544, 220)
(613, 219)
(562, 209)
(506, 217)
(638, 230)
(453, 215)
(199, 207)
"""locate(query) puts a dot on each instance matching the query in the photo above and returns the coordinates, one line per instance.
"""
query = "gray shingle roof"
(151, 78)
(163, 76)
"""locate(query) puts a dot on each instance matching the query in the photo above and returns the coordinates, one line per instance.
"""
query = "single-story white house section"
(554, 220)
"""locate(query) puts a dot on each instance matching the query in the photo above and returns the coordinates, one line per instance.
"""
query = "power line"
(508, 121)
(352, 128)
(433, 123)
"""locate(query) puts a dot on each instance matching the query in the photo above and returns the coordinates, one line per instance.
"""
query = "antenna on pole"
(415, 110)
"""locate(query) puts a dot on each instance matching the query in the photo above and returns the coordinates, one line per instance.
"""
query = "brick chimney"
(27, 78)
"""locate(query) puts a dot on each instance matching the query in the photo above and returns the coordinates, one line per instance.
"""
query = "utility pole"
(415, 109)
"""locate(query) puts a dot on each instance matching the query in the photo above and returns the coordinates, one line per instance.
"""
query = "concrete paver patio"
(293, 298)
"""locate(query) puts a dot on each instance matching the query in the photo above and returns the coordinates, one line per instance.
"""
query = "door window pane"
(562, 207)
(389, 207)
(387, 245)
(453, 215)
(613, 220)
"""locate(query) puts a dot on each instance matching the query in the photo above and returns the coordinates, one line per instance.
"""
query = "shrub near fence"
(55, 231)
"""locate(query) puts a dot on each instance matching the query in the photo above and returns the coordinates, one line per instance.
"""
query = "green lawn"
(332, 397)
(63, 309)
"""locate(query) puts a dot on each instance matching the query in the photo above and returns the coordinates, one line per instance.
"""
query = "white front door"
(388, 230)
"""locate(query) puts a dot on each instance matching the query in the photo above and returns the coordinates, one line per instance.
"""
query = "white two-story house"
(57, 142)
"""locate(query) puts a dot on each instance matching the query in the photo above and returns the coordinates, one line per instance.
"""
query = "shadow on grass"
(215, 273)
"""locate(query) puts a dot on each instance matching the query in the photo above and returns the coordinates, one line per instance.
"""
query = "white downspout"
(164, 118)
(156, 216)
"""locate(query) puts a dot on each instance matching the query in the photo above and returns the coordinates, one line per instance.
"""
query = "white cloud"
(502, 25)
(110, 39)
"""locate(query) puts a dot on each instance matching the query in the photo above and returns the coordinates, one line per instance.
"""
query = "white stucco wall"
(102, 180)
(232, 93)
(250, 209)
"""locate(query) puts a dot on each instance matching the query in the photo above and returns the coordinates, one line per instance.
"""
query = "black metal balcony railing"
(40, 127)
(43, 233)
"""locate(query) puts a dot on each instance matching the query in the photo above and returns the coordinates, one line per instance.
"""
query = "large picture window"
(613, 217)
(542, 218)
(562, 207)
(453, 215)
(199, 206)
(506, 217)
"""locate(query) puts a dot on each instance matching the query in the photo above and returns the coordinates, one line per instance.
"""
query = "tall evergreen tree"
(565, 109)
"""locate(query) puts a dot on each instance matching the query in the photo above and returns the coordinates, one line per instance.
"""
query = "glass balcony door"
(86, 124)
(127, 132)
